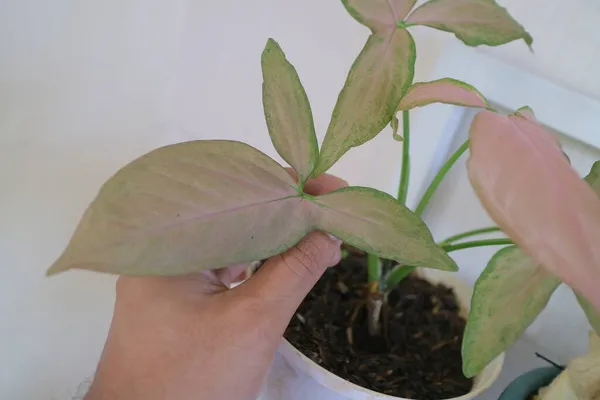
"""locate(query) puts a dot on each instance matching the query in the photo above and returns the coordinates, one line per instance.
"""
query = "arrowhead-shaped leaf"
(508, 296)
(287, 111)
(446, 90)
(377, 81)
(188, 207)
(379, 14)
(474, 22)
(375, 222)
(528, 187)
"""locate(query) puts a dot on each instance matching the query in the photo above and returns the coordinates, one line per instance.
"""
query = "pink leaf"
(378, 14)
(528, 187)
(376, 83)
(188, 207)
(446, 90)
(287, 112)
(375, 222)
(474, 22)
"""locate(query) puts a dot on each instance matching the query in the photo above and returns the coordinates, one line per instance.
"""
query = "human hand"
(190, 337)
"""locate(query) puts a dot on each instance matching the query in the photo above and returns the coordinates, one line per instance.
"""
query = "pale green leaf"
(379, 14)
(474, 22)
(188, 207)
(380, 76)
(590, 312)
(446, 90)
(375, 222)
(593, 178)
(287, 111)
(508, 296)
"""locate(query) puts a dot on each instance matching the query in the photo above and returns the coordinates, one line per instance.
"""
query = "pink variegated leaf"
(379, 14)
(376, 83)
(188, 207)
(474, 22)
(528, 187)
(446, 90)
(287, 112)
(375, 222)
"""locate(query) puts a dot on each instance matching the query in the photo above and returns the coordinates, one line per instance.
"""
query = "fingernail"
(335, 239)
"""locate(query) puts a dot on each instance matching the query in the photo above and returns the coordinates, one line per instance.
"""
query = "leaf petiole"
(440, 177)
(474, 232)
(374, 273)
(405, 171)
(476, 243)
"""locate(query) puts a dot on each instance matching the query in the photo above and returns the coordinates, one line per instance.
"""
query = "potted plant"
(147, 218)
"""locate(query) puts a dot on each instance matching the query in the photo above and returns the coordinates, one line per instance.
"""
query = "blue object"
(529, 383)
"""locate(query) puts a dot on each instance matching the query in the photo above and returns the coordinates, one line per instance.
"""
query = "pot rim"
(343, 386)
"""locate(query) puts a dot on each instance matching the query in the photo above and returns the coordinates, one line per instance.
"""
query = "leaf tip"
(467, 369)
(56, 269)
(447, 263)
(529, 41)
(270, 46)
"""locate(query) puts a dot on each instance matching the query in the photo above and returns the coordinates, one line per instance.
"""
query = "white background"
(85, 87)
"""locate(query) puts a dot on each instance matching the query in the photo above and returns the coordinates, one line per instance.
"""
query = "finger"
(322, 184)
(284, 280)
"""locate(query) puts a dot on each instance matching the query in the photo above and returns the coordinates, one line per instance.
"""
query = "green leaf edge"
(526, 37)
(450, 264)
(592, 315)
(273, 46)
(319, 169)
(468, 370)
(450, 80)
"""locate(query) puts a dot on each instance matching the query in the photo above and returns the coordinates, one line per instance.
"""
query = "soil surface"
(416, 357)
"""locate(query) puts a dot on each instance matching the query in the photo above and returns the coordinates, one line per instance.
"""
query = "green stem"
(395, 276)
(440, 177)
(399, 272)
(476, 243)
(374, 272)
(405, 171)
(473, 232)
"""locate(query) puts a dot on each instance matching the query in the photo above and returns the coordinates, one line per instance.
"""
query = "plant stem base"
(417, 355)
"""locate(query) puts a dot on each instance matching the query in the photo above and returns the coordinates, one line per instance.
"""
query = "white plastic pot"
(293, 376)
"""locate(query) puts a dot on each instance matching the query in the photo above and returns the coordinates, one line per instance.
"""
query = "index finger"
(322, 184)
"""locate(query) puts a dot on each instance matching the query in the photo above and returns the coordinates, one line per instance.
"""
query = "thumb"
(287, 278)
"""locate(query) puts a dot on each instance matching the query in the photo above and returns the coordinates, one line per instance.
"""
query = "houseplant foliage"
(555, 226)
(209, 204)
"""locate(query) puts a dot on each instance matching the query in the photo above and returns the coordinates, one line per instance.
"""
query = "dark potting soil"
(418, 355)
